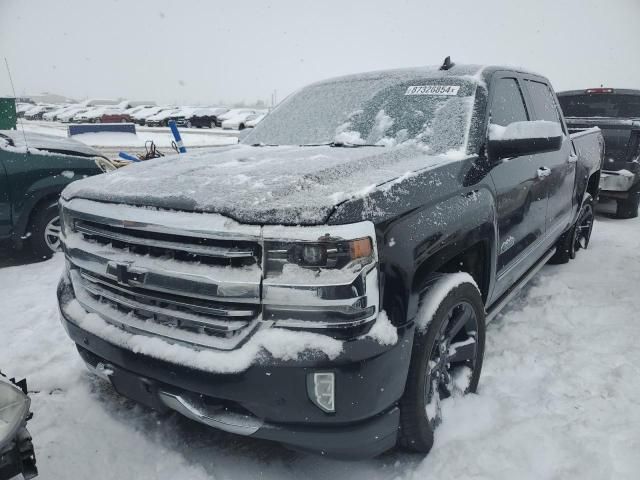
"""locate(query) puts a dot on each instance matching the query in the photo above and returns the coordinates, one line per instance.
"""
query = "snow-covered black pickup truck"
(617, 113)
(327, 282)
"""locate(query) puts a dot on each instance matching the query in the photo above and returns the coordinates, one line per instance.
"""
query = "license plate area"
(141, 390)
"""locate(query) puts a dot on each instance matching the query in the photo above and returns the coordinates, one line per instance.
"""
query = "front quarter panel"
(424, 221)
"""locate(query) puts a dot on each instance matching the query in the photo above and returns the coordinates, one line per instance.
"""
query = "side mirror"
(524, 138)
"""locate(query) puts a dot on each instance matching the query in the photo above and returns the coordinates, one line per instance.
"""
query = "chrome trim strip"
(179, 283)
(194, 319)
(201, 225)
(217, 311)
(135, 325)
(209, 415)
(204, 250)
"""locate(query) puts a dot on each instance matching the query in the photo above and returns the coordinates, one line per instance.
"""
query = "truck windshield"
(382, 111)
(613, 105)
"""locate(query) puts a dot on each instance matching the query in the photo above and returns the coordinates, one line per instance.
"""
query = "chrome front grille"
(161, 280)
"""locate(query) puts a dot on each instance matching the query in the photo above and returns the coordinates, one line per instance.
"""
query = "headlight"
(325, 253)
(14, 407)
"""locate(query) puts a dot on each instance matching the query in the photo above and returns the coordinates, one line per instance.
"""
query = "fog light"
(321, 390)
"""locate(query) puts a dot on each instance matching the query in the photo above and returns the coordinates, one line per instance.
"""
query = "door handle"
(573, 158)
(544, 172)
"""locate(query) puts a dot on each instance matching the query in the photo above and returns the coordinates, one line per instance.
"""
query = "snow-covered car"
(23, 107)
(141, 116)
(254, 119)
(38, 111)
(53, 114)
(161, 119)
(68, 115)
(199, 117)
(91, 115)
(235, 119)
(327, 282)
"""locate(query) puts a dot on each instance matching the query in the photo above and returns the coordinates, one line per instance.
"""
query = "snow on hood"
(50, 143)
(288, 185)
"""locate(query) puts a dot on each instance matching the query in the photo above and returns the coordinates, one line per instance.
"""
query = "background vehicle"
(38, 111)
(161, 119)
(30, 185)
(236, 115)
(22, 108)
(254, 119)
(53, 114)
(200, 117)
(355, 297)
(142, 115)
(617, 113)
(68, 115)
(115, 116)
(17, 458)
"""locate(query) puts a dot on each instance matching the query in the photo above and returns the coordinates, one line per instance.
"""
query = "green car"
(34, 169)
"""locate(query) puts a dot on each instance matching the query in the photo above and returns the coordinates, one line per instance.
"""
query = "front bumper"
(269, 400)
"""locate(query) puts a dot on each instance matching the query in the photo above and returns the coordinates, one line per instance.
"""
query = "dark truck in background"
(617, 113)
(327, 282)
(34, 169)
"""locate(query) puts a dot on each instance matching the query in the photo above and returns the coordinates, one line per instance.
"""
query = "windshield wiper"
(341, 144)
(265, 145)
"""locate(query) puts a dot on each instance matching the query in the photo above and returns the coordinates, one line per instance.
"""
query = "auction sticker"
(432, 90)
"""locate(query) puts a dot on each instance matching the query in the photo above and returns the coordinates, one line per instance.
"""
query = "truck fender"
(422, 241)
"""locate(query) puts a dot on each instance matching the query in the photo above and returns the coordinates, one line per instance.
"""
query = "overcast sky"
(192, 51)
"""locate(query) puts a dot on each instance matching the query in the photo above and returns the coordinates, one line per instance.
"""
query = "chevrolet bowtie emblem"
(125, 273)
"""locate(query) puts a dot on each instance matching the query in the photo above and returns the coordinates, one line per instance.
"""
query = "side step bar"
(515, 288)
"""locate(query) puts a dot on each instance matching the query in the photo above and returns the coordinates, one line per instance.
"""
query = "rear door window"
(543, 101)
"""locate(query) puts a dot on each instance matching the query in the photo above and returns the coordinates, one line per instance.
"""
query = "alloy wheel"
(452, 360)
(52, 234)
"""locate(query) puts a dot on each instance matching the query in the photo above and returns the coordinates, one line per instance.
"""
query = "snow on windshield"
(434, 112)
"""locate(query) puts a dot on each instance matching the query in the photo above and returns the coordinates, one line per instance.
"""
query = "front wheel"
(446, 359)
(44, 232)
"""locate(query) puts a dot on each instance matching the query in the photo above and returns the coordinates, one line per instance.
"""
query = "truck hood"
(286, 185)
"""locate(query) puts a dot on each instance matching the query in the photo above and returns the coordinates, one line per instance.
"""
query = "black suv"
(326, 283)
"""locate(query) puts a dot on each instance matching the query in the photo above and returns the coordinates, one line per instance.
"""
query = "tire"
(577, 236)
(241, 126)
(628, 208)
(432, 375)
(42, 229)
(188, 124)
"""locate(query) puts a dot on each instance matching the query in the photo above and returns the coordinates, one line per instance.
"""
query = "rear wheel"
(628, 208)
(576, 237)
(44, 232)
(446, 361)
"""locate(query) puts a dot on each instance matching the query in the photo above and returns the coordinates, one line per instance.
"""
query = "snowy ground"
(559, 395)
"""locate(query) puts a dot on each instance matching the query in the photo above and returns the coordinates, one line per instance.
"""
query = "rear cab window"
(606, 105)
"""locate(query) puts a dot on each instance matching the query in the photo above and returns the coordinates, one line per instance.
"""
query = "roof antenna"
(6, 62)
(447, 64)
